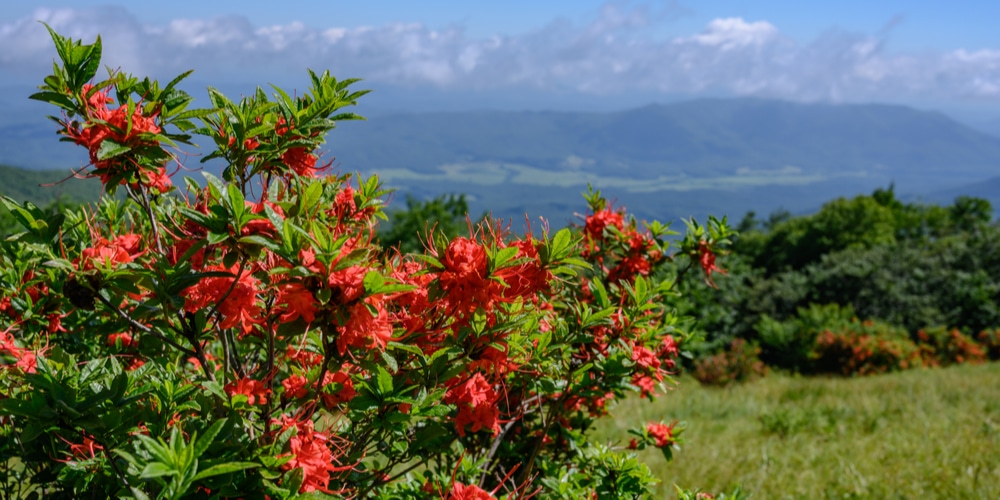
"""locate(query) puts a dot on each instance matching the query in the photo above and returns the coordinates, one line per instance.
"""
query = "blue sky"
(529, 54)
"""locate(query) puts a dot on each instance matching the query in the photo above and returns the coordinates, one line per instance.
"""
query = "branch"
(141, 327)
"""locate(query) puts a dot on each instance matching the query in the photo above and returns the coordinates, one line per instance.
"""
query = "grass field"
(918, 434)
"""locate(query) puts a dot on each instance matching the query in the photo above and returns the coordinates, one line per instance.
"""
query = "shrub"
(791, 344)
(739, 363)
(942, 347)
(990, 340)
(217, 342)
(866, 349)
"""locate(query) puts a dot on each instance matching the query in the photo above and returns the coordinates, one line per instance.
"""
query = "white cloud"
(735, 33)
(617, 52)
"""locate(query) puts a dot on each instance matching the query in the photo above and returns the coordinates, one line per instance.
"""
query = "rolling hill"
(662, 160)
(699, 139)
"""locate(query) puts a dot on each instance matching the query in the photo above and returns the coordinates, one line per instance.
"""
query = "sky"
(557, 54)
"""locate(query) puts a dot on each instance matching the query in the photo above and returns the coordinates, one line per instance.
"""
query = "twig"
(142, 327)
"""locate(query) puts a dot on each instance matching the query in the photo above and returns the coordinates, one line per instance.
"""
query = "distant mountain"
(989, 126)
(689, 140)
(662, 160)
(988, 189)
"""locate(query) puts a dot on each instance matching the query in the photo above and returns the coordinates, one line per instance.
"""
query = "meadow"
(926, 433)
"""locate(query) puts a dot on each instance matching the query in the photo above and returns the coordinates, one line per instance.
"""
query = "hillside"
(707, 138)
(42, 187)
(666, 161)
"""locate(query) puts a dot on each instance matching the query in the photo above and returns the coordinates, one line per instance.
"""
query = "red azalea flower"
(465, 278)
(344, 202)
(254, 390)
(663, 433)
(363, 329)
(310, 452)
(476, 400)
(350, 282)
(669, 347)
(26, 360)
(124, 338)
(301, 161)
(337, 388)
(528, 278)
(237, 303)
(101, 123)
(646, 384)
(157, 180)
(295, 386)
(121, 250)
(460, 491)
(707, 260)
(644, 357)
(596, 223)
(304, 358)
(85, 450)
(628, 268)
(295, 301)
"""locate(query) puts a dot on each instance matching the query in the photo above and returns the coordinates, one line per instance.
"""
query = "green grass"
(915, 434)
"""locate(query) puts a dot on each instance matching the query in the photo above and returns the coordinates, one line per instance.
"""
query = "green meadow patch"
(489, 173)
(927, 433)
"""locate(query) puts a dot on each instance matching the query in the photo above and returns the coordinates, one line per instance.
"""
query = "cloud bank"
(618, 52)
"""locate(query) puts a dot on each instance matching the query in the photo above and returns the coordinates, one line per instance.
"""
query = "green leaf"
(257, 239)
(601, 293)
(384, 380)
(215, 389)
(218, 470)
(139, 494)
(203, 442)
(373, 282)
(158, 469)
(215, 185)
(589, 320)
(92, 62)
(111, 149)
(504, 256)
(561, 244)
(311, 196)
(236, 200)
(56, 98)
(390, 362)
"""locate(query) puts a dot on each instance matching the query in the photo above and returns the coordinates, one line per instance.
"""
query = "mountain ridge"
(668, 157)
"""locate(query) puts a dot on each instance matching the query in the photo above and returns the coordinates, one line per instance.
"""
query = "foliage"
(990, 340)
(866, 349)
(791, 344)
(409, 230)
(942, 346)
(740, 363)
(10, 223)
(922, 266)
(250, 335)
(840, 224)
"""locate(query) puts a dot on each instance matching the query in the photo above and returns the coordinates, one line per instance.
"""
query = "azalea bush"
(247, 336)
(865, 350)
(739, 363)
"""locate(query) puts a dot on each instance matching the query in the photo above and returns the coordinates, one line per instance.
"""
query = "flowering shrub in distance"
(248, 338)
(865, 348)
(739, 363)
